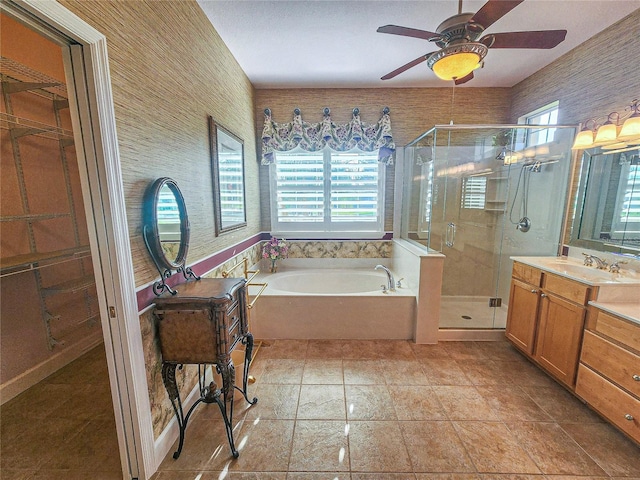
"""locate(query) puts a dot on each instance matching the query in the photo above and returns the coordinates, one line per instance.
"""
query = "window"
(327, 191)
(426, 187)
(474, 192)
(627, 218)
(547, 115)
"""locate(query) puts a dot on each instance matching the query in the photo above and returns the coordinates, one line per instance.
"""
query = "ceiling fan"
(462, 49)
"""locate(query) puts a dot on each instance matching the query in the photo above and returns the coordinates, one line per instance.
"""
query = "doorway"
(93, 124)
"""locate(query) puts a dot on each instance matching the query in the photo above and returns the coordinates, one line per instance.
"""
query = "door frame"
(94, 126)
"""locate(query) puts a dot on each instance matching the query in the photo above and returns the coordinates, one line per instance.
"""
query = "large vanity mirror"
(166, 230)
(227, 157)
(607, 214)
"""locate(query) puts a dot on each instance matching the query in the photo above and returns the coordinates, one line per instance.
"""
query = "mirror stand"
(160, 286)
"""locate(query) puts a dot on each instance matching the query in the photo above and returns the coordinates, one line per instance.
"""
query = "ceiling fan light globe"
(457, 61)
(456, 66)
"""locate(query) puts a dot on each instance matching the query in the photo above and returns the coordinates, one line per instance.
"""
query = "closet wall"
(48, 304)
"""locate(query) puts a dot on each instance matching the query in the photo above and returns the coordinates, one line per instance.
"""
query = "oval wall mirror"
(166, 230)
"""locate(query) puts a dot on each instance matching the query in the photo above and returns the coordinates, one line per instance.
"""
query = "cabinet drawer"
(570, 289)
(529, 274)
(234, 332)
(623, 331)
(622, 409)
(617, 364)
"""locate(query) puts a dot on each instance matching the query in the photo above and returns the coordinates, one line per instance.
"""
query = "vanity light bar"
(610, 132)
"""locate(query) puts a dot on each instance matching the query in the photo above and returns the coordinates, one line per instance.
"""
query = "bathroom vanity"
(582, 326)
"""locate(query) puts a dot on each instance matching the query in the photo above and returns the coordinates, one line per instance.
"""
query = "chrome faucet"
(600, 264)
(391, 283)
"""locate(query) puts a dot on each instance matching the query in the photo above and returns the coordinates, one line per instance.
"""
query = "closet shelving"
(74, 286)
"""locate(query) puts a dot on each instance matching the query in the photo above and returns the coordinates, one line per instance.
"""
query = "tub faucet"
(391, 283)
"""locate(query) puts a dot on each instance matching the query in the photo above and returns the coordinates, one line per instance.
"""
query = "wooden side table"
(202, 324)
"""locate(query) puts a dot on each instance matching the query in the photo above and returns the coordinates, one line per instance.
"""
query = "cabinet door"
(522, 315)
(559, 337)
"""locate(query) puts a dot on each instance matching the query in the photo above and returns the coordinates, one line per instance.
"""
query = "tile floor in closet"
(374, 410)
(63, 428)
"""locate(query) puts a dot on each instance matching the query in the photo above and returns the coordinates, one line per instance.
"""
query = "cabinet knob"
(534, 291)
(636, 378)
(543, 295)
(629, 417)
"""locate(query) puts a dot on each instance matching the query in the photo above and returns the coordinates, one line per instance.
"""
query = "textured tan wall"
(592, 80)
(169, 70)
(413, 111)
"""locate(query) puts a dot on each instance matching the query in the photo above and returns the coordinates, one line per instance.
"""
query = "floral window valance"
(311, 137)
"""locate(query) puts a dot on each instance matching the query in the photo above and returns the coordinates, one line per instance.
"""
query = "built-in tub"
(332, 299)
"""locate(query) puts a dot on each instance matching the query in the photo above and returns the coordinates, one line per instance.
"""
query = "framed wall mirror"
(608, 203)
(227, 159)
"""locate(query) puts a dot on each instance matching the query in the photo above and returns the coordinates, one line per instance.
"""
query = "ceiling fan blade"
(534, 39)
(494, 10)
(407, 66)
(407, 32)
(465, 79)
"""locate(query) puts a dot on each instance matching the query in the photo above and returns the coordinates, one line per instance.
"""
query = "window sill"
(298, 235)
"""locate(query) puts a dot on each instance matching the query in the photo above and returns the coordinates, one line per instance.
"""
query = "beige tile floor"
(63, 427)
(378, 410)
(359, 410)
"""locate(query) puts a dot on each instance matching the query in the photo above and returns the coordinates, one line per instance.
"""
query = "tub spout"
(391, 283)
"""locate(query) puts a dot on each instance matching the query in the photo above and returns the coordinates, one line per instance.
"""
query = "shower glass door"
(469, 198)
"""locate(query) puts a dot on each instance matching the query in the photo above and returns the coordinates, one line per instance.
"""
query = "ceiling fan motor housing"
(458, 29)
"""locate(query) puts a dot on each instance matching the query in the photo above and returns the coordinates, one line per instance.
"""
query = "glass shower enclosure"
(479, 195)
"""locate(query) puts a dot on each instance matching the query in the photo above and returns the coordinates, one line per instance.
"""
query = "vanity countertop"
(575, 270)
(629, 311)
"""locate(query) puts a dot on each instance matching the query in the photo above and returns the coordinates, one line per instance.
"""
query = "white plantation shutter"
(232, 195)
(474, 191)
(300, 187)
(327, 191)
(354, 187)
(628, 217)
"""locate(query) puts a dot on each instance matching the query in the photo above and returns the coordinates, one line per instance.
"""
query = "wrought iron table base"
(210, 393)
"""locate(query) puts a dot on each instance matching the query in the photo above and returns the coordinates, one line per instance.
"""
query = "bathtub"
(331, 299)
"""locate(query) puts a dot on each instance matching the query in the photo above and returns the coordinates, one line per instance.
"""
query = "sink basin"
(591, 274)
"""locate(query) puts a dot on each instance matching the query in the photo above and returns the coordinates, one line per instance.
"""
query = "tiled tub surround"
(332, 299)
(317, 307)
(340, 248)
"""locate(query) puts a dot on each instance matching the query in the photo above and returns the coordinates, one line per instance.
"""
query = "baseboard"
(462, 334)
(28, 379)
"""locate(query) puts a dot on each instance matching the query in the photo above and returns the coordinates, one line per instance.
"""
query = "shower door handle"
(450, 239)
